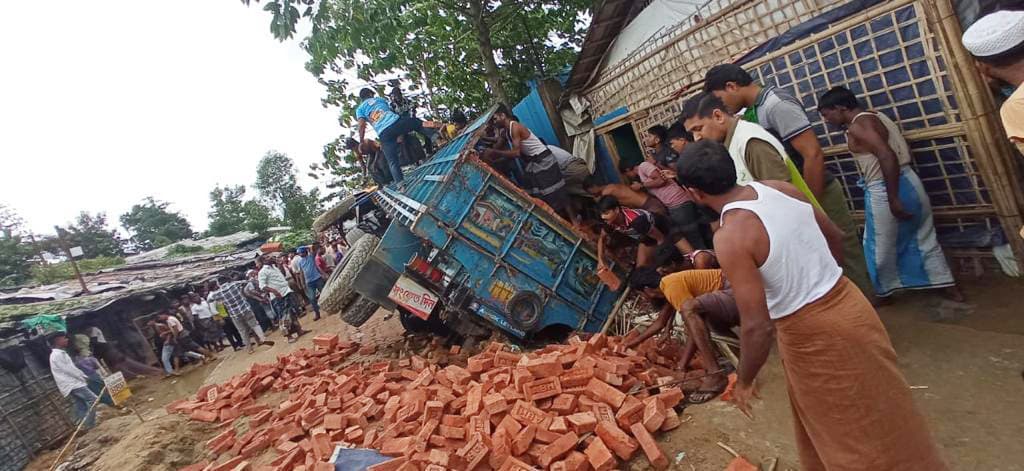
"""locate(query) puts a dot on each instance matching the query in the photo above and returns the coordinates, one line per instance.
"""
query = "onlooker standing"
(782, 115)
(259, 302)
(314, 276)
(289, 265)
(233, 299)
(71, 381)
(209, 332)
(283, 299)
(223, 319)
(996, 41)
(899, 233)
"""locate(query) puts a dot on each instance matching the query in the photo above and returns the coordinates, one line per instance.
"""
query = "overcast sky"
(103, 104)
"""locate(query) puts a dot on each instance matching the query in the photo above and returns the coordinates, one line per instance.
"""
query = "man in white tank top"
(852, 406)
(900, 246)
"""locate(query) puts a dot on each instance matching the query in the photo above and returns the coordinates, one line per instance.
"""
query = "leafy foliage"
(14, 251)
(278, 185)
(230, 212)
(90, 232)
(452, 54)
(295, 238)
(56, 272)
(152, 225)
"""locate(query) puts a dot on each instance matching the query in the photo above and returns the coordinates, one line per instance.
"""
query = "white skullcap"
(995, 33)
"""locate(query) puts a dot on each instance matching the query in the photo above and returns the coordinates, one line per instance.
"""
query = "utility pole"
(74, 264)
(35, 245)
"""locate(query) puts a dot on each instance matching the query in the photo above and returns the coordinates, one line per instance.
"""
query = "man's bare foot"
(953, 293)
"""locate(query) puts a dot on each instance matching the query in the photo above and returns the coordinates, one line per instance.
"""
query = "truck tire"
(331, 215)
(353, 235)
(360, 310)
(337, 293)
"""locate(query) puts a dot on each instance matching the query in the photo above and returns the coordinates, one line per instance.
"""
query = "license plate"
(410, 295)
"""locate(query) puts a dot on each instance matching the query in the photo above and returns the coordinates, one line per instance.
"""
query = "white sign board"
(76, 251)
(410, 295)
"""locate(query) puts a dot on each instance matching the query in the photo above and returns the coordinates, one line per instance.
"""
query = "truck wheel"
(331, 215)
(337, 292)
(360, 310)
(415, 325)
(525, 308)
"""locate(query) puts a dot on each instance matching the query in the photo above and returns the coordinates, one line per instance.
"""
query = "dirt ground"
(965, 362)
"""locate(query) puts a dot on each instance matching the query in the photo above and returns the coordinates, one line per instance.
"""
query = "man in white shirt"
(71, 381)
(282, 298)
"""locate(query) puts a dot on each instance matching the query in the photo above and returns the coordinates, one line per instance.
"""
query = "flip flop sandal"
(700, 397)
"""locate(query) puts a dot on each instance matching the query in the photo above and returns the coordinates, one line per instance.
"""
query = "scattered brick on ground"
(586, 404)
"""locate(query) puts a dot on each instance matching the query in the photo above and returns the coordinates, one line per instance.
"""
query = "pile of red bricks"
(564, 407)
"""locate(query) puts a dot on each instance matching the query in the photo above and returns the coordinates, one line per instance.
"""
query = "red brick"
(525, 414)
(545, 367)
(564, 404)
(479, 363)
(478, 424)
(396, 446)
(671, 397)
(740, 463)
(367, 349)
(654, 414)
(558, 449)
(473, 453)
(542, 389)
(255, 446)
(582, 422)
(229, 465)
(603, 412)
(600, 391)
(203, 415)
(616, 440)
(558, 425)
(456, 433)
(495, 404)
(353, 433)
(578, 376)
(521, 442)
(631, 412)
(323, 466)
(287, 407)
(599, 456)
(671, 422)
(654, 454)
(328, 341)
(575, 461)
(545, 436)
(474, 399)
(509, 425)
(506, 359)
(334, 421)
(501, 449)
(512, 464)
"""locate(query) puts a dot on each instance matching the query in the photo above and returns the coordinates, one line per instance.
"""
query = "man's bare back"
(627, 196)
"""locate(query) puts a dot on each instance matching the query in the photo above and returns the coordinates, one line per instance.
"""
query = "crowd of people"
(242, 309)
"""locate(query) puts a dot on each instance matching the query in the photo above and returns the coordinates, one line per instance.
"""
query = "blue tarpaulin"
(531, 113)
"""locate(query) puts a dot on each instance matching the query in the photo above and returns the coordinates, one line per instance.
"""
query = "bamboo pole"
(977, 110)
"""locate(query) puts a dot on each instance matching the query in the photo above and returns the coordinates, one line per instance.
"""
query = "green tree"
(152, 225)
(91, 233)
(227, 212)
(15, 253)
(258, 217)
(277, 183)
(462, 53)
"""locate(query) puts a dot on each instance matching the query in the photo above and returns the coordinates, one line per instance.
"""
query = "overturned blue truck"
(458, 248)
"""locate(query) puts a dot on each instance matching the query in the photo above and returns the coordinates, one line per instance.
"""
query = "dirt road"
(965, 361)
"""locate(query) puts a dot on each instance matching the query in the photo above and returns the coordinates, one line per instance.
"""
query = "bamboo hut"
(901, 57)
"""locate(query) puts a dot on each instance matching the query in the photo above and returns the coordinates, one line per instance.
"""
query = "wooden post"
(74, 264)
(549, 91)
(985, 137)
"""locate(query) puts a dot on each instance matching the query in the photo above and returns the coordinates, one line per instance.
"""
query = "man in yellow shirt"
(705, 300)
(996, 41)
